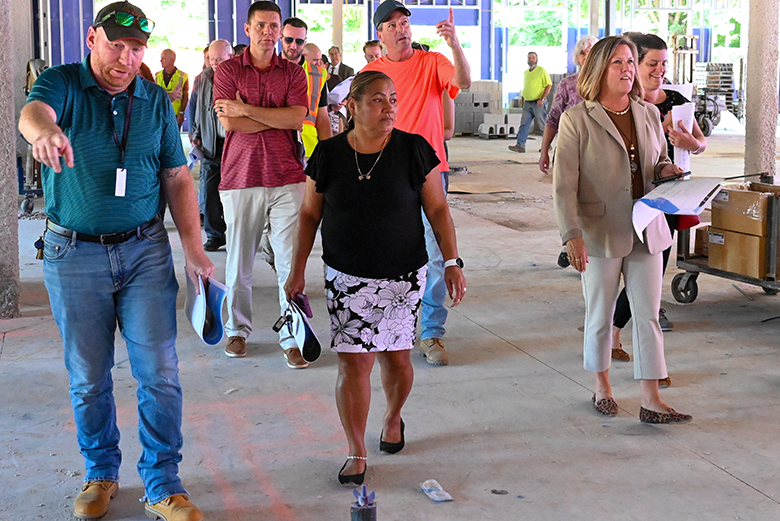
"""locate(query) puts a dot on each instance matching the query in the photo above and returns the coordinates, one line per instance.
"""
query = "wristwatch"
(454, 262)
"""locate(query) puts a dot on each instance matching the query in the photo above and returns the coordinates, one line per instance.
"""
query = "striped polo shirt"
(83, 198)
(268, 158)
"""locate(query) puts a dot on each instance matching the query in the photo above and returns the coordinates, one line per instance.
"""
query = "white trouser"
(246, 212)
(643, 276)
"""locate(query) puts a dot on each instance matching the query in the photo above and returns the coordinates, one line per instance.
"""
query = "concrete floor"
(507, 428)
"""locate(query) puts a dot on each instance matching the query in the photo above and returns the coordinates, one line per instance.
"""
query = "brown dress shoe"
(236, 347)
(92, 502)
(434, 352)
(174, 508)
(619, 354)
(295, 358)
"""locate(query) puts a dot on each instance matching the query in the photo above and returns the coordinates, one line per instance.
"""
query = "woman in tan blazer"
(610, 149)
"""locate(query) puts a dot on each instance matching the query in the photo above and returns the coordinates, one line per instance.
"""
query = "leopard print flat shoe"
(672, 416)
(605, 406)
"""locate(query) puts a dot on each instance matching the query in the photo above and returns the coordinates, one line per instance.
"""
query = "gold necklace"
(616, 112)
(361, 175)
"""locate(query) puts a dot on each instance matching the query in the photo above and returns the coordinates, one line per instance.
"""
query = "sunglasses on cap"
(126, 20)
(299, 41)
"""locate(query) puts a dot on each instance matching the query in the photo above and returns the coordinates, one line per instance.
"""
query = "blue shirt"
(82, 198)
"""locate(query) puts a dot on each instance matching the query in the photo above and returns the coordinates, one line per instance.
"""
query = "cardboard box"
(742, 210)
(738, 253)
(701, 245)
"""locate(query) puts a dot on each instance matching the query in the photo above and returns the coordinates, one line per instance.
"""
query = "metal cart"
(685, 287)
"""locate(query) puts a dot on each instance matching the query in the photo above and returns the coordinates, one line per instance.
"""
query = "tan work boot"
(92, 502)
(174, 508)
(295, 358)
(236, 347)
(433, 351)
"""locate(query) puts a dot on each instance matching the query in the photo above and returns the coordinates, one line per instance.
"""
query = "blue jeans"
(92, 288)
(531, 112)
(433, 314)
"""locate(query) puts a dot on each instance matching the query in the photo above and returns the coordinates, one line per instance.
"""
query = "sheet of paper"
(684, 197)
(204, 310)
(340, 91)
(683, 113)
(686, 89)
(643, 215)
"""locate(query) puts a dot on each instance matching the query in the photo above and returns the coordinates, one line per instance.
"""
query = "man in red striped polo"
(261, 101)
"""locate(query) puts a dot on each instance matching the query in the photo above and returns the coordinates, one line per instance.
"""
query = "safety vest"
(174, 89)
(315, 80)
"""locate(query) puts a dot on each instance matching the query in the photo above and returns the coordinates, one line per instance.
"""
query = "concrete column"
(762, 82)
(9, 223)
(593, 10)
(338, 25)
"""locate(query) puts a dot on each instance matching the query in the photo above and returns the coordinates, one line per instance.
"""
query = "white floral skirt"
(373, 314)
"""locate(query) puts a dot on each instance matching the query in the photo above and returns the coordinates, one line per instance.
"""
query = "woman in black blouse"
(653, 60)
(366, 186)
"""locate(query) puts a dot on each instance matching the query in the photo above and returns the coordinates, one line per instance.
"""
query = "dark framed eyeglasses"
(299, 41)
(126, 19)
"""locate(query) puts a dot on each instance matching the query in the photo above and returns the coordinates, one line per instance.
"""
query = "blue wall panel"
(55, 35)
(432, 16)
(67, 39)
(485, 32)
(499, 56)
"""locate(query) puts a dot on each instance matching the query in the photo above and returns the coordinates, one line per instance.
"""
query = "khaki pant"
(643, 275)
(246, 212)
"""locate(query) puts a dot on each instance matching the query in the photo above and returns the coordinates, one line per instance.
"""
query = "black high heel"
(392, 448)
(352, 479)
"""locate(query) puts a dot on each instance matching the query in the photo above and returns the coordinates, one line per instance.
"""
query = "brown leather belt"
(105, 239)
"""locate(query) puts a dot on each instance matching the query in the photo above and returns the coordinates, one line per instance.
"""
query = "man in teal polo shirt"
(107, 259)
(536, 87)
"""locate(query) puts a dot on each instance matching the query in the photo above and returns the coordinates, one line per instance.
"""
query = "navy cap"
(113, 30)
(387, 8)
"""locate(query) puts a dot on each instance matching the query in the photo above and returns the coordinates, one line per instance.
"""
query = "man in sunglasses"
(316, 125)
(109, 142)
(260, 99)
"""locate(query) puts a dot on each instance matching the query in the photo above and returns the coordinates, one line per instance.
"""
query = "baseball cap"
(122, 20)
(387, 8)
(302, 332)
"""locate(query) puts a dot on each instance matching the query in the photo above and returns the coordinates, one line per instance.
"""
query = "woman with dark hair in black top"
(651, 70)
(367, 186)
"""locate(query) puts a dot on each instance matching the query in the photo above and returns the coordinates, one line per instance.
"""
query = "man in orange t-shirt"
(421, 78)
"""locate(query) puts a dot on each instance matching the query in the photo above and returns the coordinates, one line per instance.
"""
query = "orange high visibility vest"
(315, 79)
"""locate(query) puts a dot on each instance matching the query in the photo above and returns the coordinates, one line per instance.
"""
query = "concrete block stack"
(469, 110)
(483, 97)
(500, 125)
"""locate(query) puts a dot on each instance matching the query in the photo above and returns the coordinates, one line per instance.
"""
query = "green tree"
(542, 28)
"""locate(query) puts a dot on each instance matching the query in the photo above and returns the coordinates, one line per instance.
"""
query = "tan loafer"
(434, 352)
(236, 347)
(295, 358)
(92, 502)
(174, 508)
(619, 354)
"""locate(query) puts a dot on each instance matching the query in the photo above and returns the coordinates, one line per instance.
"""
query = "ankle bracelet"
(357, 457)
